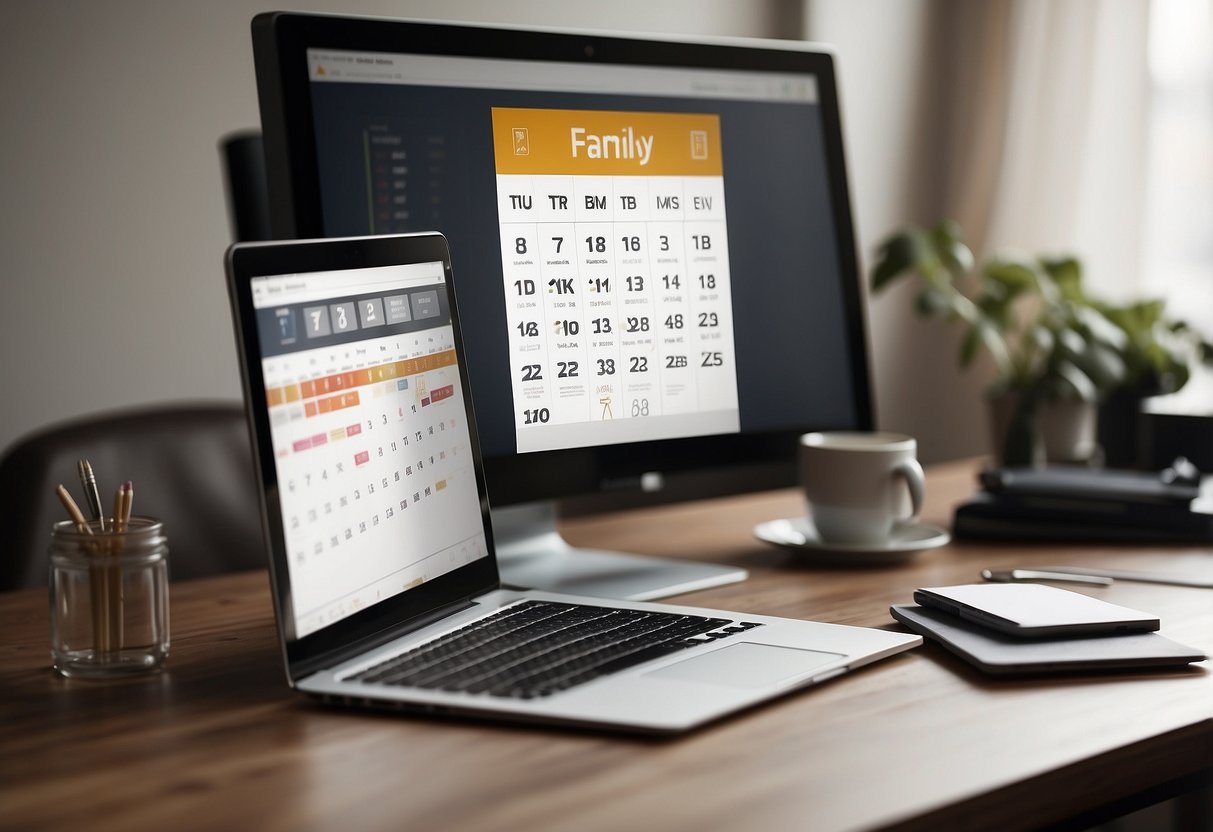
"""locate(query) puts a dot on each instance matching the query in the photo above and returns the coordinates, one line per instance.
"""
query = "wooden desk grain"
(917, 741)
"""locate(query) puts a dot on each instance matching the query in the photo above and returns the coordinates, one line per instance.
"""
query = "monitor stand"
(532, 554)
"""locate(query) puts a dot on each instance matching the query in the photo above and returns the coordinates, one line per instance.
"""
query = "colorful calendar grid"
(616, 274)
(374, 463)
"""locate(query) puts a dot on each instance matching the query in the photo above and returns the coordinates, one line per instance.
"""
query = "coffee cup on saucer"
(856, 484)
(864, 492)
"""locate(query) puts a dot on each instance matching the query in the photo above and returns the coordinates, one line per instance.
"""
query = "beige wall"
(892, 120)
(112, 217)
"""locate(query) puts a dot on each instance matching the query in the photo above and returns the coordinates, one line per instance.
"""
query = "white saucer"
(906, 539)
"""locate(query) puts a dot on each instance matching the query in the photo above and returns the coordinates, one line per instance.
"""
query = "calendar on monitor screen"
(615, 269)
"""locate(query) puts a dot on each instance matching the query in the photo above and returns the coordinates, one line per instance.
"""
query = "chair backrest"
(191, 465)
(248, 197)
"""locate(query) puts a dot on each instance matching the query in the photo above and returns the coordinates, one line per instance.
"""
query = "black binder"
(1092, 505)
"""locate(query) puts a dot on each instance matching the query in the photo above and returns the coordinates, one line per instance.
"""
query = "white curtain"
(1047, 133)
(1023, 119)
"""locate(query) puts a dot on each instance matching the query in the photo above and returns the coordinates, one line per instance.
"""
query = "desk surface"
(916, 741)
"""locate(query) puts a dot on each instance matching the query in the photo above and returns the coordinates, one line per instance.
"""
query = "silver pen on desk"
(1013, 575)
(1138, 577)
(1090, 575)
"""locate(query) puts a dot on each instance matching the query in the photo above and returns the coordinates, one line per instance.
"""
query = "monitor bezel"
(392, 616)
(742, 462)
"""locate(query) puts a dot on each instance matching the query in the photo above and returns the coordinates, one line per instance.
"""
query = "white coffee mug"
(855, 484)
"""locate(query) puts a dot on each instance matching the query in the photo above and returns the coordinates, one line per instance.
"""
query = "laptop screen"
(370, 441)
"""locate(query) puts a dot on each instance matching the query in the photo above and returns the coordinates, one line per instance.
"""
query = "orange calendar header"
(605, 142)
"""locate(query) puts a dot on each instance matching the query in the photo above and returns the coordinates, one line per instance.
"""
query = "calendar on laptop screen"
(373, 453)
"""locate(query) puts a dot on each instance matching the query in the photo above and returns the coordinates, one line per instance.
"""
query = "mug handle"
(911, 472)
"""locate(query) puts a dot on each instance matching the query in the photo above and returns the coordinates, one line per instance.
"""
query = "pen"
(73, 510)
(1013, 575)
(91, 496)
(1090, 575)
(1138, 577)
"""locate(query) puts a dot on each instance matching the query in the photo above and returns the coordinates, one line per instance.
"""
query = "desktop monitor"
(652, 249)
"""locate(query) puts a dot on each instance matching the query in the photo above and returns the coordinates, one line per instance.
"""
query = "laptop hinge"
(303, 668)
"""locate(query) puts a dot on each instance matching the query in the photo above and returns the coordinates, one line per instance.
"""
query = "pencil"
(73, 510)
(118, 499)
(128, 501)
(117, 616)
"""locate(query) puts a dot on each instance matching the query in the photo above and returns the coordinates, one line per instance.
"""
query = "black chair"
(191, 465)
(248, 199)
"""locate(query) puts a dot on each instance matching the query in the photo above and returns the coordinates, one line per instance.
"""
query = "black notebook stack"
(1083, 504)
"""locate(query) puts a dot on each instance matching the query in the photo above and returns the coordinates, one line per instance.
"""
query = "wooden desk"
(918, 741)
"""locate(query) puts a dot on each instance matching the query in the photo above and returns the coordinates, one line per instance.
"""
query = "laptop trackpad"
(746, 665)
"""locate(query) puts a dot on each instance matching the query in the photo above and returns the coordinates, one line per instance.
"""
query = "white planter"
(1068, 429)
(1064, 430)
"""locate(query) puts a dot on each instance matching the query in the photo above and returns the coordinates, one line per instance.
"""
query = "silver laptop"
(376, 519)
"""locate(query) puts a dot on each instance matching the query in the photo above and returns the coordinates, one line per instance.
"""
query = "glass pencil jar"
(109, 598)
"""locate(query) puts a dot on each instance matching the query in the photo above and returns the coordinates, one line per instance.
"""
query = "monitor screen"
(651, 241)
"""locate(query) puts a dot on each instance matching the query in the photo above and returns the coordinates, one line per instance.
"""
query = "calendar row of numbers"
(602, 244)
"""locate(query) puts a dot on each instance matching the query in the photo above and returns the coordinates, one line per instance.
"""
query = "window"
(1178, 250)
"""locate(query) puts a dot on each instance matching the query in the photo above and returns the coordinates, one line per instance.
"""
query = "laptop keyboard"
(538, 648)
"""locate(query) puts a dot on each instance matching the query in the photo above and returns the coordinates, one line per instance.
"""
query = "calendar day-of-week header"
(606, 143)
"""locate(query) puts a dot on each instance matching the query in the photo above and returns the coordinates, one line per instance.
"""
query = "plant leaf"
(1149, 312)
(1067, 274)
(1043, 338)
(1076, 383)
(1013, 274)
(1070, 342)
(1104, 366)
(903, 252)
(992, 338)
(968, 346)
(1101, 328)
(932, 301)
(947, 239)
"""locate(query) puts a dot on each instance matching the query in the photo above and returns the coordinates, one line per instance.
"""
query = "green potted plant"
(1055, 351)
(1159, 355)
